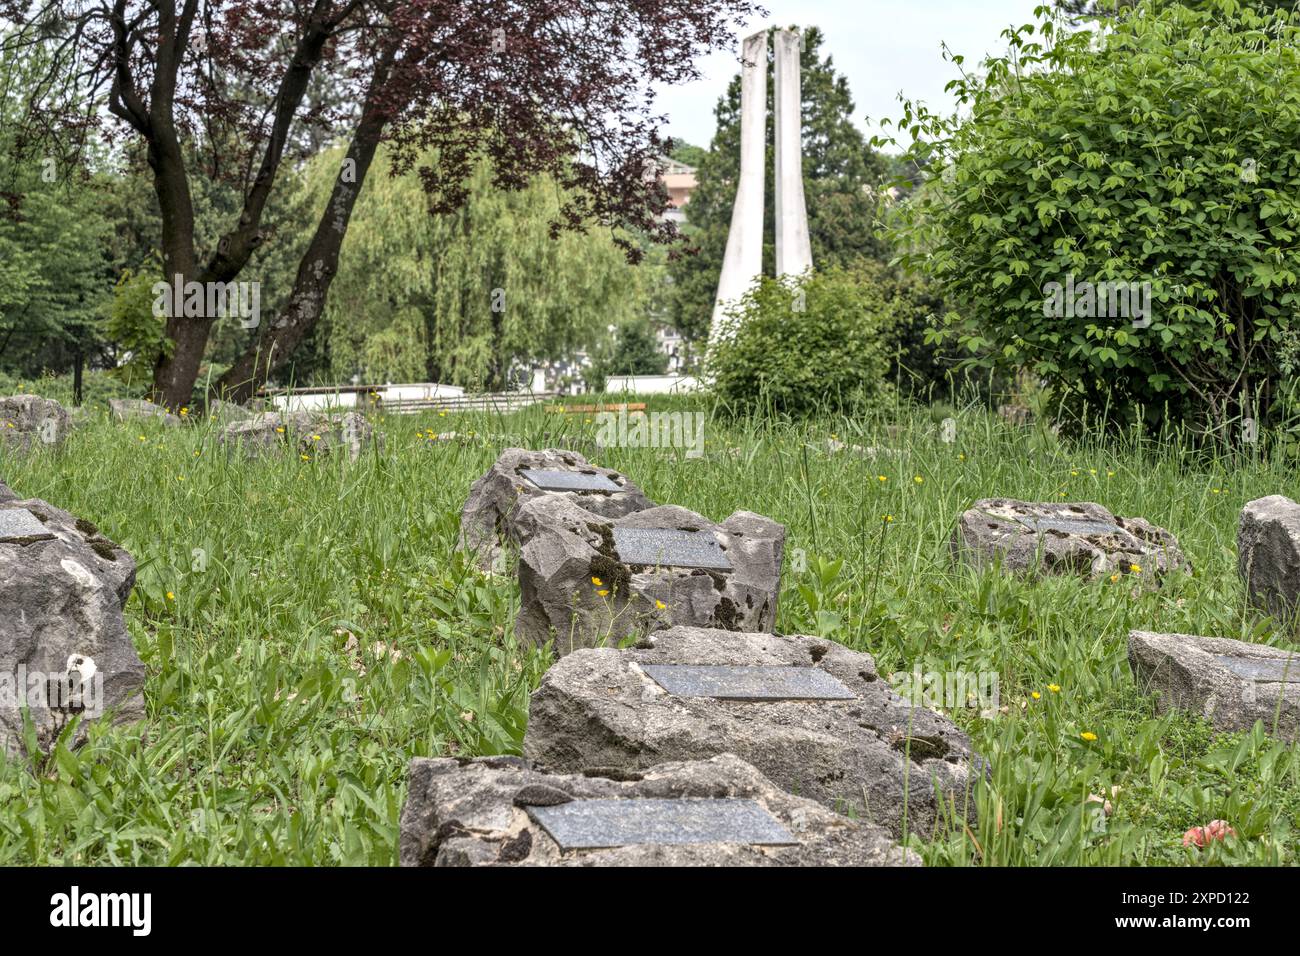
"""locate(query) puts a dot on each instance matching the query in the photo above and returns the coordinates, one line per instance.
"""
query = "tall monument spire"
(793, 251)
(743, 261)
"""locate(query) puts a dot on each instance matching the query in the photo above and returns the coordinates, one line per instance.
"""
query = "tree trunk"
(316, 271)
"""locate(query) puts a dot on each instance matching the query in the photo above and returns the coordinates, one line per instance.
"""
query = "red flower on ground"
(1202, 836)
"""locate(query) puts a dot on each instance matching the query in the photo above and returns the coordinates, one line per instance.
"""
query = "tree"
(802, 346)
(841, 175)
(1118, 213)
(632, 350)
(463, 297)
(53, 277)
(221, 87)
(1079, 10)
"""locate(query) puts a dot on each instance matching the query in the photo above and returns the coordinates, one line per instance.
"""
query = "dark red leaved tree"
(557, 86)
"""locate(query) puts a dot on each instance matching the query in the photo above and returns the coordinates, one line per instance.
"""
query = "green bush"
(1165, 153)
(797, 347)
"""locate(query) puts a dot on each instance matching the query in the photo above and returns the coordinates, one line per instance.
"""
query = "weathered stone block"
(496, 811)
(585, 580)
(490, 517)
(1231, 683)
(64, 647)
(1080, 538)
(845, 739)
(29, 421)
(1268, 556)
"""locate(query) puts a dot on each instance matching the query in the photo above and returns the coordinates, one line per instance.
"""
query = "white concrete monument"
(793, 251)
(743, 261)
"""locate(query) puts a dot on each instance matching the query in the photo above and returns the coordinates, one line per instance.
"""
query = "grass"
(308, 628)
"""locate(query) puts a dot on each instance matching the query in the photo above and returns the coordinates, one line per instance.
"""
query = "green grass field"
(308, 628)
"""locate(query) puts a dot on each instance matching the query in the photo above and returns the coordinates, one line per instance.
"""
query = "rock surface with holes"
(1231, 683)
(490, 518)
(862, 754)
(578, 587)
(137, 409)
(1268, 556)
(62, 589)
(484, 812)
(29, 421)
(307, 434)
(1080, 538)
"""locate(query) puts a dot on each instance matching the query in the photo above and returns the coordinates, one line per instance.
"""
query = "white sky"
(882, 47)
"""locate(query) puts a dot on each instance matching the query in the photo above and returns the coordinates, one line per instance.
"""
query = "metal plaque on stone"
(19, 525)
(725, 682)
(605, 823)
(669, 548)
(558, 480)
(1263, 668)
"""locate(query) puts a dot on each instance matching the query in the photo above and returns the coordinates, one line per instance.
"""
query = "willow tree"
(461, 297)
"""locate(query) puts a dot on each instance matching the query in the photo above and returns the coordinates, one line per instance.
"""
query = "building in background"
(680, 181)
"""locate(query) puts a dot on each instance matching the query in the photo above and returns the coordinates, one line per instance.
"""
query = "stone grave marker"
(813, 716)
(1230, 682)
(18, 525)
(62, 589)
(669, 548)
(1083, 538)
(602, 823)
(771, 682)
(29, 421)
(1268, 556)
(554, 480)
(490, 519)
(500, 811)
(586, 581)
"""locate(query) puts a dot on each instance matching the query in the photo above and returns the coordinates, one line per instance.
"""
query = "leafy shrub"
(799, 346)
(1165, 152)
(131, 324)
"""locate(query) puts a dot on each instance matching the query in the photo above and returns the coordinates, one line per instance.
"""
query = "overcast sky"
(881, 47)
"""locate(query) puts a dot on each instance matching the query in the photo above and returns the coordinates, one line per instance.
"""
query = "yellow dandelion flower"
(886, 518)
(170, 596)
(315, 437)
(1054, 688)
(305, 457)
(597, 581)
(918, 479)
(661, 605)
(1114, 577)
(1088, 735)
(279, 429)
(603, 593)
(882, 477)
(142, 438)
(1135, 569)
(1035, 694)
